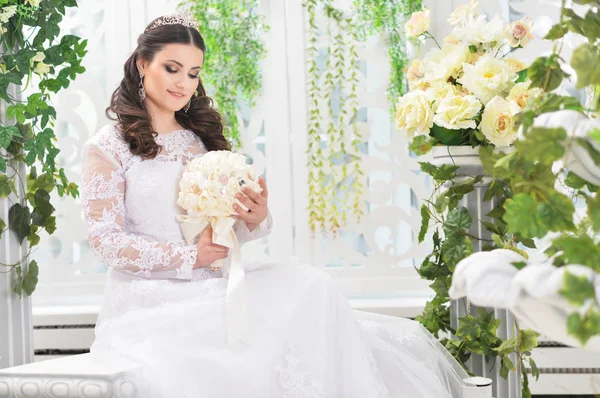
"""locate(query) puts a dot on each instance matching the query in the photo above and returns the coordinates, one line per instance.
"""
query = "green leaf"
(577, 289)
(30, 279)
(583, 328)
(556, 32)
(556, 213)
(421, 145)
(19, 220)
(520, 216)
(574, 181)
(519, 264)
(577, 250)
(546, 73)
(521, 76)
(584, 56)
(425, 217)
(447, 136)
(459, 220)
(443, 173)
(593, 204)
(2, 165)
(528, 339)
(591, 26)
(2, 227)
(4, 186)
(543, 145)
(535, 372)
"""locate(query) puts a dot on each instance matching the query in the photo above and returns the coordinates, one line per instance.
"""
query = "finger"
(252, 195)
(241, 213)
(263, 185)
(246, 201)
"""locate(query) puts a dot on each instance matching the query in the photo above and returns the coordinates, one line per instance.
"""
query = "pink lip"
(173, 94)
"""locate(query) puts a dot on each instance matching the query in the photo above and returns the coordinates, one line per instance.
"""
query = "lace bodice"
(131, 210)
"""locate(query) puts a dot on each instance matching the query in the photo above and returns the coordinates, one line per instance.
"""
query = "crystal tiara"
(186, 19)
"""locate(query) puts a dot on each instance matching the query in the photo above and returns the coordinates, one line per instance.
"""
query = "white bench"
(76, 376)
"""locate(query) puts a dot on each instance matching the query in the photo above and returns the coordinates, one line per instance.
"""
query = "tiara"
(186, 19)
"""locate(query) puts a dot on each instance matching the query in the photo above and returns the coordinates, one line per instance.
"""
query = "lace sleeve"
(103, 197)
(245, 235)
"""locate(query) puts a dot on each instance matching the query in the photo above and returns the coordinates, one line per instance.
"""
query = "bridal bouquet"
(467, 90)
(207, 193)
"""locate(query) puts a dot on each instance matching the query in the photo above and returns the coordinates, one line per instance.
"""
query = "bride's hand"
(208, 252)
(256, 204)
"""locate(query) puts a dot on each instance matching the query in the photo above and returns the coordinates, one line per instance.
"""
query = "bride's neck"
(163, 121)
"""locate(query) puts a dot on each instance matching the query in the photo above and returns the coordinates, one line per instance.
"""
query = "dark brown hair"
(130, 113)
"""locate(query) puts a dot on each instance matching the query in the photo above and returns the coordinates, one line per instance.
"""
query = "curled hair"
(131, 114)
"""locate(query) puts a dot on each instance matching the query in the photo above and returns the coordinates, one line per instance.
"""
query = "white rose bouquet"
(465, 91)
(207, 193)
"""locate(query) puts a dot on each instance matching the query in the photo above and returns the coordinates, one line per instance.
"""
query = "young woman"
(164, 307)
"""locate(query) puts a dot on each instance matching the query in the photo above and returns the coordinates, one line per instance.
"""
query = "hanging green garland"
(232, 31)
(30, 46)
(384, 17)
(335, 178)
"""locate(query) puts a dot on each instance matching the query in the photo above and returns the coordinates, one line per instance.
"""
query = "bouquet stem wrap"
(236, 315)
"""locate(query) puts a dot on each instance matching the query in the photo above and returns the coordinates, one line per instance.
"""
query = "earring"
(142, 90)
(186, 108)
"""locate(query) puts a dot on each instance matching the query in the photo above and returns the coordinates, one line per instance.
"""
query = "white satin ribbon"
(236, 315)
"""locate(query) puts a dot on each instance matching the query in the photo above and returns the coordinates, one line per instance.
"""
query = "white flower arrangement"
(466, 88)
(207, 192)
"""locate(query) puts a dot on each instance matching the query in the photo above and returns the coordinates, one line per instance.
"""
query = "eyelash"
(170, 70)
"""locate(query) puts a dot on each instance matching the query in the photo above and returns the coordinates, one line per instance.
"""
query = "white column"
(277, 131)
(16, 330)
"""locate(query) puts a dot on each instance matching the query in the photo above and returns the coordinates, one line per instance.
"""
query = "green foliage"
(336, 178)
(31, 45)
(233, 32)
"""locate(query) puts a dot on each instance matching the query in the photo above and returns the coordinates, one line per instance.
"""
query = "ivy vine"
(335, 178)
(30, 46)
(232, 31)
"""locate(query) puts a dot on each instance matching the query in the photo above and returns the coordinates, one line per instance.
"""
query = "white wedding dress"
(306, 341)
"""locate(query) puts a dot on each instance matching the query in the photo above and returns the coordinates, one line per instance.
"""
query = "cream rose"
(34, 3)
(515, 64)
(487, 78)
(521, 93)
(418, 23)
(456, 112)
(441, 64)
(439, 90)
(497, 122)
(519, 33)
(414, 114)
(462, 14)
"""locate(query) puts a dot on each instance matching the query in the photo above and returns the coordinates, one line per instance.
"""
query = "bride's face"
(171, 78)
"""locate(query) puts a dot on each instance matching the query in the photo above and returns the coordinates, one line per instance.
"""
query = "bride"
(164, 306)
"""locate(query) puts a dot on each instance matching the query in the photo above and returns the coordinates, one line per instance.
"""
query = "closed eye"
(170, 70)
(193, 76)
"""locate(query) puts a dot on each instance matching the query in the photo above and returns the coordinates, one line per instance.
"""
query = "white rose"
(462, 14)
(478, 31)
(521, 93)
(456, 112)
(418, 23)
(38, 57)
(441, 64)
(497, 122)
(515, 64)
(414, 114)
(41, 69)
(439, 90)
(487, 78)
(3, 30)
(33, 3)
(519, 33)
